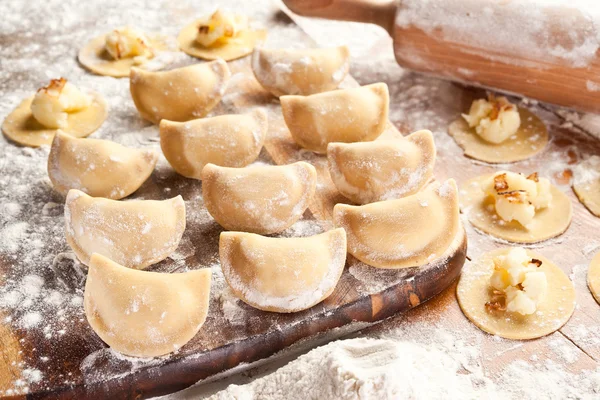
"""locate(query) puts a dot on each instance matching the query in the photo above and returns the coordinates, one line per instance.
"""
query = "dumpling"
(346, 115)
(261, 199)
(300, 71)
(114, 53)
(402, 233)
(134, 233)
(282, 274)
(227, 140)
(100, 168)
(141, 313)
(180, 94)
(60, 105)
(383, 169)
(220, 35)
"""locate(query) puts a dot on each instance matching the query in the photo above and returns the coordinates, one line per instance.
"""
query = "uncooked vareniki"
(60, 105)
(179, 94)
(227, 140)
(259, 199)
(300, 71)
(366, 172)
(345, 115)
(402, 233)
(586, 183)
(141, 313)
(100, 168)
(282, 274)
(134, 233)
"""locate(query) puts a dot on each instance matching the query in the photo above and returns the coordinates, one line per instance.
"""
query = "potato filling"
(518, 284)
(220, 28)
(495, 119)
(517, 198)
(128, 43)
(52, 104)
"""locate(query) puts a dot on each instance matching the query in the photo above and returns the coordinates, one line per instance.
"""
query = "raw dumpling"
(402, 233)
(100, 168)
(383, 169)
(227, 140)
(346, 115)
(60, 105)
(141, 313)
(114, 53)
(593, 277)
(586, 183)
(180, 94)
(134, 233)
(260, 199)
(220, 35)
(300, 71)
(282, 274)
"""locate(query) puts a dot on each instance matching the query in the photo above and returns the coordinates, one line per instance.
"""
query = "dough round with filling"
(241, 46)
(593, 277)
(94, 57)
(530, 139)
(346, 115)
(179, 94)
(233, 140)
(282, 274)
(134, 233)
(300, 71)
(586, 184)
(260, 199)
(552, 313)
(141, 313)
(21, 127)
(100, 168)
(547, 223)
(366, 172)
(402, 233)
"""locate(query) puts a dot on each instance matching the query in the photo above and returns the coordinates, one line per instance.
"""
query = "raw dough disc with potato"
(548, 222)
(23, 128)
(530, 139)
(586, 184)
(94, 57)
(593, 277)
(241, 46)
(474, 290)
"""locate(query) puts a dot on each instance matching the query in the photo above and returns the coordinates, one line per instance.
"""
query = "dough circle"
(95, 58)
(474, 290)
(21, 127)
(593, 277)
(548, 222)
(530, 139)
(241, 46)
(586, 184)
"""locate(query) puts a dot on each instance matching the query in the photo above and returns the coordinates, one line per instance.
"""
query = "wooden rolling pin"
(545, 50)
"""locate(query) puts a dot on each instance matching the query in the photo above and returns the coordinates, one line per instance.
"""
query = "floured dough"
(134, 233)
(530, 139)
(474, 291)
(345, 115)
(233, 140)
(402, 233)
(593, 277)
(141, 313)
(366, 172)
(100, 168)
(260, 199)
(238, 46)
(547, 223)
(179, 94)
(586, 184)
(300, 71)
(97, 59)
(21, 127)
(282, 274)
